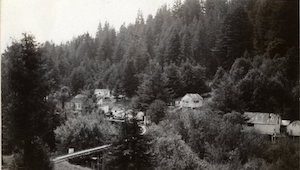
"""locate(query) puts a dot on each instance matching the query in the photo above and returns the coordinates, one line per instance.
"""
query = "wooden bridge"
(79, 154)
(91, 151)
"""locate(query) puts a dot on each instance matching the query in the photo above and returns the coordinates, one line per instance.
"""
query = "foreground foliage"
(28, 114)
(131, 151)
(85, 131)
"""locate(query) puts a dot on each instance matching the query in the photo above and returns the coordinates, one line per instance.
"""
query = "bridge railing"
(79, 153)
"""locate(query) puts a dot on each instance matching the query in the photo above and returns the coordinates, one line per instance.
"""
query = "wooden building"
(263, 123)
(191, 100)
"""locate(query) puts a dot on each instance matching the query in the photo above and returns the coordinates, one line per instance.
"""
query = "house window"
(78, 105)
(250, 124)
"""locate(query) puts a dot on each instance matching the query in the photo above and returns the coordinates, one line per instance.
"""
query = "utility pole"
(103, 161)
(98, 163)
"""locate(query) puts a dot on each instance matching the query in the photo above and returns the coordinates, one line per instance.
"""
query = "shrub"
(84, 131)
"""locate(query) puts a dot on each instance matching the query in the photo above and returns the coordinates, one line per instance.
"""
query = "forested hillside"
(252, 44)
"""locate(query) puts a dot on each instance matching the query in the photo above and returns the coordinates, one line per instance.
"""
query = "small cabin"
(293, 129)
(105, 109)
(140, 116)
(102, 93)
(263, 123)
(118, 113)
(191, 100)
(79, 102)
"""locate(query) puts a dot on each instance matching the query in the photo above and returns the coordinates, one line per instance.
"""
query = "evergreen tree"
(173, 82)
(172, 53)
(157, 111)
(152, 87)
(140, 18)
(240, 68)
(78, 78)
(120, 47)
(30, 115)
(192, 77)
(275, 25)
(199, 45)
(185, 47)
(177, 9)
(105, 49)
(131, 152)
(191, 10)
(150, 41)
(234, 38)
(129, 80)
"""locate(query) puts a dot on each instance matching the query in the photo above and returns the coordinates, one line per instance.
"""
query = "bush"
(36, 157)
(84, 131)
(157, 111)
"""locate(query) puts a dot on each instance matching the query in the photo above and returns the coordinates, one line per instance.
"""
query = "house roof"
(285, 122)
(295, 123)
(104, 101)
(79, 98)
(263, 118)
(117, 108)
(101, 90)
(193, 96)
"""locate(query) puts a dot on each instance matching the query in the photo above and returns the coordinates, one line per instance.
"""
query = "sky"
(61, 20)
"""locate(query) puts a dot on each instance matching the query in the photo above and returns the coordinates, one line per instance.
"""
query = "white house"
(293, 129)
(264, 123)
(118, 112)
(191, 100)
(140, 116)
(105, 108)
(102, 93)
(105, 101)
(79, 101)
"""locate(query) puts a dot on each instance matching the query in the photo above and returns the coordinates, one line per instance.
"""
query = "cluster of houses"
(111, 107)
(271, 124)
(108, 103)
(105, 101)
(263, 123)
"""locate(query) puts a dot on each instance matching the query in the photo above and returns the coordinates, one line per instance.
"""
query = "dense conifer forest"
(251, 45)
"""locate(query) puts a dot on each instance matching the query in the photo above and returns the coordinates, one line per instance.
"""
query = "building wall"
(102, 93)
(105, 109)
(78, 106)
(267, 129)
(191, 103)
(118, 112)
(69, 105)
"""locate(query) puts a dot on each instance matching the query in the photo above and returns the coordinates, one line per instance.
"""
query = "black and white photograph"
(150, 85)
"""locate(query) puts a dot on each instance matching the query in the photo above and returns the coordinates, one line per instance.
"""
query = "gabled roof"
(102, 90)
(79, 98)
(193, 96)
(285, 122)
(263, 118)
(295, 123)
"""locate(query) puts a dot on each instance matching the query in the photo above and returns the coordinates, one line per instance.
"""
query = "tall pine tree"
(131, 152)
(30, 114)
